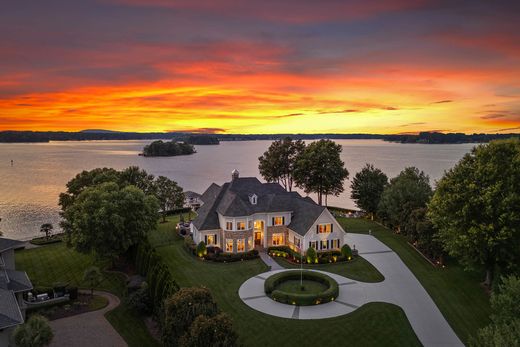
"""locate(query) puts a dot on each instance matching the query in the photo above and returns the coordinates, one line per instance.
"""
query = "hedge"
(324, 257)
(214, 253)
(330, 294)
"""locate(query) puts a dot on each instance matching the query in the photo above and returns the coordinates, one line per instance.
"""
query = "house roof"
(17, 281)
(190, 194)
(9, 311)
(6, 244)
(232, 200)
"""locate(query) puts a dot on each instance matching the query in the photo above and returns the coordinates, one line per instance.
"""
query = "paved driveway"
(88, 329)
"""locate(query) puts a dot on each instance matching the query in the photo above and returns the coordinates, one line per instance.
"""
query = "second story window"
(324, 228)
(278, 220)
(241, 225)
(229, 225)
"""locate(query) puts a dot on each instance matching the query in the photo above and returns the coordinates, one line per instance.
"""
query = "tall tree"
(367, 187)
(210, 331)
(277, 163)
(108, 220)
(36, 332)
(47, 229)
(169, 195)
(408, 191)
(319, 169)
(93, 277)
(135, 176)
(476, 208)
(182, 309)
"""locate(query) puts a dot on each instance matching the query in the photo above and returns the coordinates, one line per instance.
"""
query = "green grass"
(294, 286)
(358, 269)
(456, 292)
(374, 324)
(54, 263)
(97, 303)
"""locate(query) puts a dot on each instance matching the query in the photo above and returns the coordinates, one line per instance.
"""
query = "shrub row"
(213, 253)
(330, 294)
(320, 258)
(161, 285)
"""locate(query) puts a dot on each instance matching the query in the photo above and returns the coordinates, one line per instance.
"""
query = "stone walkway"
(88, 329)
(269, 261)
(400, 287)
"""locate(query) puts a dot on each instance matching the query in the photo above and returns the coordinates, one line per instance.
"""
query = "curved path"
(400, 287)
(88, 329)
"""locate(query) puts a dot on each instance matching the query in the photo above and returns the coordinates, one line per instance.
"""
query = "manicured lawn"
(456, 292)
(358, 269)
(54, 263)
(374, 324)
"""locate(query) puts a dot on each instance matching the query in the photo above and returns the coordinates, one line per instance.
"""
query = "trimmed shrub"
(311, 256)
(346, 251)
(304, 299)
(201, 249)
(231, 257)
(36, 332)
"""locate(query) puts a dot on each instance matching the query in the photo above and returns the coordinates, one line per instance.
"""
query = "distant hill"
(95, 134)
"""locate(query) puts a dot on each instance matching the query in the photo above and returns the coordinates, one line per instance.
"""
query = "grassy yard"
(374, 324)
(456, 292)
(358, 269)
(54, 263)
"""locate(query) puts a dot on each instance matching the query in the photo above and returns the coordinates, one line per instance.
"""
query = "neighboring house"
(245, 213)
(12, 286)
(192, 200)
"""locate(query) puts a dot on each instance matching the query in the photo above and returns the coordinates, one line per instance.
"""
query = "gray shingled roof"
(6, 244)
(9, 311)
(232, 200)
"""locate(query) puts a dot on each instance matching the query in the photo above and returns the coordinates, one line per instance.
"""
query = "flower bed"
(295, 257)
(213, 253)
(300, 297)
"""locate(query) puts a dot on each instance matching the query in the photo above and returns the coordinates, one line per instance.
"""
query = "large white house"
(245, 213)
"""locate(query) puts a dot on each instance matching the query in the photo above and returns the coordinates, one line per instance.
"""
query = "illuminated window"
(335, 243)
(241, 225)
(324, 228)
(229, 245)
(259, 225)
(297, 242)
(278, 220)
(324, 244)
(313, 244)
(250, 243)
(229, 225)
(277, 239)
(210, 239)
(241, 245)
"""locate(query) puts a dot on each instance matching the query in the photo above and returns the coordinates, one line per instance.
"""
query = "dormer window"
(253, 199)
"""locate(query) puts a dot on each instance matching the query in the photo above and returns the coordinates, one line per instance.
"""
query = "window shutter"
(328, 244)
(206, 239)
(215, 238)
(283, 220)
(317, 228)
(331, 227)
(272, 221)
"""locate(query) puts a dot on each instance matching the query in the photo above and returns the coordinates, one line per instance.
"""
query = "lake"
(30, 187)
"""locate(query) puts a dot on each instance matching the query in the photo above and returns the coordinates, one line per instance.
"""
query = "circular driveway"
(351, 296)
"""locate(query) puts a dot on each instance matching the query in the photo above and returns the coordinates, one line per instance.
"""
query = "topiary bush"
(311, 256)
(201, 249)
(346, 251)
(301, 299)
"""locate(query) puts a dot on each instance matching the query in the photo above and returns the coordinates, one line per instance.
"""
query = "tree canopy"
(476, 208)
(169, 195)
(277, 163)
(36, 332)
(167, 149)
(367, 187)
(107, 219)
(210, 331)
(408, 191)
(319, 169)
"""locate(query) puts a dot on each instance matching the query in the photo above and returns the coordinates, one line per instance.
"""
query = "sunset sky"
(269, 66)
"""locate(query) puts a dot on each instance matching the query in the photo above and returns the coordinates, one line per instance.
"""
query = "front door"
(258, 238)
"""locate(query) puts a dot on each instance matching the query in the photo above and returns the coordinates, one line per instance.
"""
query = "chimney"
(234, 174)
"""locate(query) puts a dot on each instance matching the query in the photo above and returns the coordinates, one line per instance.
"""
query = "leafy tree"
(367, 187)
(36, 332)
(86, 179)
(167, 149)
(135, 176)
(108, 220)
(139, 300)
(319, 169)
(408, 191)
(47, 229)
(421, 231)
(169, 195)
(346, 251)
(277, 163)
(504, 329)
(93, 277)
(214, 331)
(476, 208)
(182, 309)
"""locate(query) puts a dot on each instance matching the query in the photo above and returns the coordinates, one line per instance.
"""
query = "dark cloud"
(493, 116)
(199, 130)
(442, 102)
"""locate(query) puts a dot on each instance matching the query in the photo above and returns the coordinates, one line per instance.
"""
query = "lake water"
(29, 188)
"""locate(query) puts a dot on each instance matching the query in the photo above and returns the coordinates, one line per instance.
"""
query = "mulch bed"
(72, 308)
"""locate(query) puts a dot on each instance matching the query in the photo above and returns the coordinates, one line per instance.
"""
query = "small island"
(167, 149)
(202, 140)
